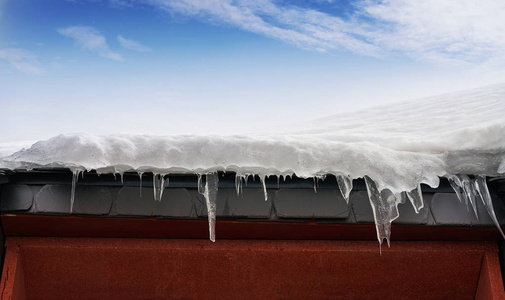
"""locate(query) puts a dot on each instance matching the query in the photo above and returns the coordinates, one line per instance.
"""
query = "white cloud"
(21, 60)
(449, 31)
(466, 31)
(88, 38)
(132, 45)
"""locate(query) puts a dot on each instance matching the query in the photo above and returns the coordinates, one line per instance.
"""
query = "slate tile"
(16, 197)
(448, 210)
(174, 203)
(305, 203)
(53, 199)
(361, 208)
(249, 204)
(92, 200)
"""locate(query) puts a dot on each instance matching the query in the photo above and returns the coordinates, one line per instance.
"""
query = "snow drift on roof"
(398, 146)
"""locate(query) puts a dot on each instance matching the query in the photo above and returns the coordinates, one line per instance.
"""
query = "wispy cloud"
(90, 39)
(306, 28)
(21, 60)
(120, 3)
(451, 31)
(132, 45)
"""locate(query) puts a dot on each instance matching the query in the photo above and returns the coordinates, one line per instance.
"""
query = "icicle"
(158, 186)
(457, 186)
(416, 198)
(140, 182)
(201, 188)
(316, 181)
(263, 182)
(75, 177)
(385, 209)
(469, 190)
(483, 192)
(345, 186)
(238, 183)
(279, 181)
(210, 195)
(465, 191)
(121, 176)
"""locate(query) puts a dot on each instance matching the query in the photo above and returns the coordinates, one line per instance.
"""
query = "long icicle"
(210, 194)
(263, 183)
(238, 183)
(140, 182)
(482, 190)
(75, 177)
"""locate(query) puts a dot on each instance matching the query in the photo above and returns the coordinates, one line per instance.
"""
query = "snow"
(395, 148)
(8, 148)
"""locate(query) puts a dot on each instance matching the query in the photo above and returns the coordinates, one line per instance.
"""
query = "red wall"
(93, 268)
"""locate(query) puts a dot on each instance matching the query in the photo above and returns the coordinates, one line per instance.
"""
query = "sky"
(221, 67)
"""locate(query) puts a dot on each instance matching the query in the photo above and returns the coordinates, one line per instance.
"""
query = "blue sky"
(187, 66)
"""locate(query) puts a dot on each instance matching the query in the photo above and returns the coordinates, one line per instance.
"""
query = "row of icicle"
(384, 203)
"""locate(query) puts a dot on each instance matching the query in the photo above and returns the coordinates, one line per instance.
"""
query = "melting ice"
(210, 195)
(396, 148)
(385, 209)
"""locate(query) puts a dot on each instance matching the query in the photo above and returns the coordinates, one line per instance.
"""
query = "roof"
(395, 149)
(293, 200)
